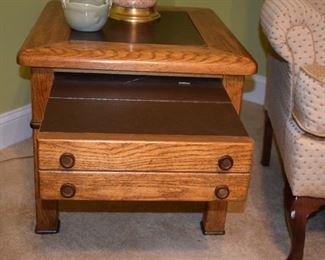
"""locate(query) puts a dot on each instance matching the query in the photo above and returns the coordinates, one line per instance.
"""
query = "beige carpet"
(151, 231)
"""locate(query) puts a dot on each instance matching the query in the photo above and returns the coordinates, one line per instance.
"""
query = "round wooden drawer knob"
(67, 160)
(68, 190)
(222, 192)
(225, 163)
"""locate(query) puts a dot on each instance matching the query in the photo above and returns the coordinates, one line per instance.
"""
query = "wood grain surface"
(103, 153)
(46, 212)
(142, 186)
(222, 54)
(168, 168)
(214, 217)
(234, 86)
(41, 82)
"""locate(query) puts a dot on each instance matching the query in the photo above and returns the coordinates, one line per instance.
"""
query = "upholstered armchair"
(295, 106)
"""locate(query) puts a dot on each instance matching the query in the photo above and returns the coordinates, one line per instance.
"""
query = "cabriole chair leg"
(298, 210)
(267, 141)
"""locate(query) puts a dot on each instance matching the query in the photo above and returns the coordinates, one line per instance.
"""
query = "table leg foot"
(49, 231)
(47, 217)
(211, 233)
(214, 218)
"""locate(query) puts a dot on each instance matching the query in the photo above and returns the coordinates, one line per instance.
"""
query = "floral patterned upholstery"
(295, 98)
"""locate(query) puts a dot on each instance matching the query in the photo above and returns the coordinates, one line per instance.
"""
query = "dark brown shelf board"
(99, 103)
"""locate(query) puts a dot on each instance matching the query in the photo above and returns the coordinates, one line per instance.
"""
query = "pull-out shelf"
(119, 137)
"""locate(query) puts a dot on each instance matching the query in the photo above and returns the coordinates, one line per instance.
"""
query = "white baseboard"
(254, 89)
(14, 126)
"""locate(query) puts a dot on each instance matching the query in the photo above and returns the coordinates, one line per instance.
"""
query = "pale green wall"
(167, 2)
(16, 19)
(18, 16)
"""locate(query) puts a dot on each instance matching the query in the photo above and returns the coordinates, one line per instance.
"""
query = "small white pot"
(86, 15)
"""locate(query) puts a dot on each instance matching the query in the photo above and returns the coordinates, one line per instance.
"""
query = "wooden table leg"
(214, 218)
(47, 214)
(234, 86)
(47, 217)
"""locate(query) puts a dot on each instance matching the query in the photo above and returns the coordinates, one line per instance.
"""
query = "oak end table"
(145, 112)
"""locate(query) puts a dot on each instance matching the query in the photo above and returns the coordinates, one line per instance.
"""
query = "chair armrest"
(295, 29)
(309, 99)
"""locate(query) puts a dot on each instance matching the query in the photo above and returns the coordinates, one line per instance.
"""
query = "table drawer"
(129, 123)
(58, 185)
(105, 152)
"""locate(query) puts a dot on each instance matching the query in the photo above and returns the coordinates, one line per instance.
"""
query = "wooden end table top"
(52, 45)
